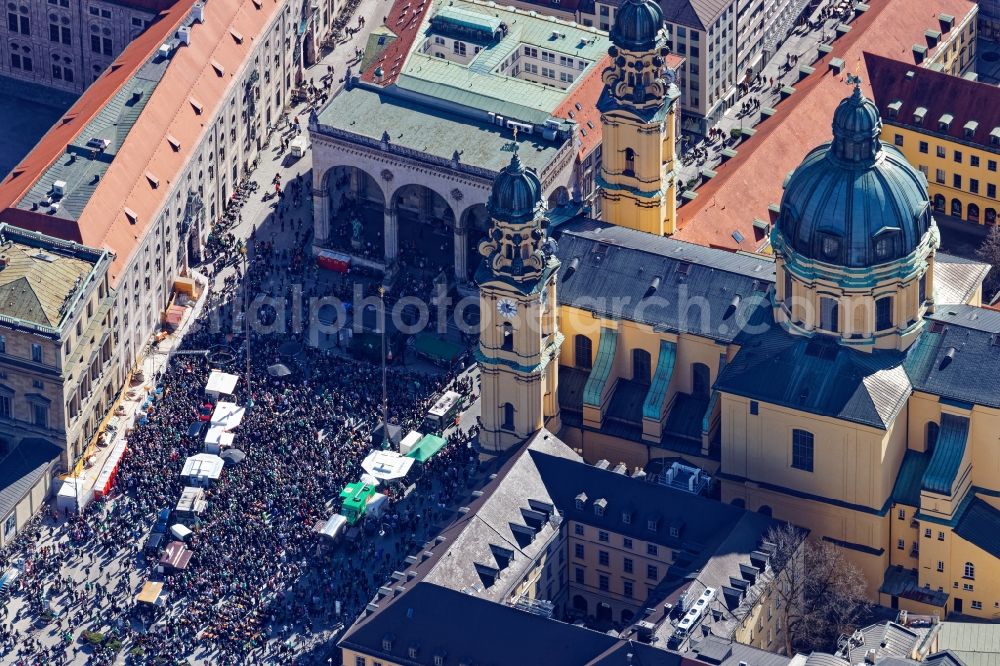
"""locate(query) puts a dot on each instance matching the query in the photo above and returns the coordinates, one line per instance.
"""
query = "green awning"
(594, 389)
(656, 397)
(949, 450)
(437, 349)
(426, 448)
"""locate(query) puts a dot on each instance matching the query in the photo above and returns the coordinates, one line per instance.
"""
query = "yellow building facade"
(949, 128)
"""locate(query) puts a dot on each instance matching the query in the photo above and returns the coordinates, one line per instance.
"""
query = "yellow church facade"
(845, 384)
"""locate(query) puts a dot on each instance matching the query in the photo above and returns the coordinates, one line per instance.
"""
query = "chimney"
(198, 12)
(870, 656)
(184, 35)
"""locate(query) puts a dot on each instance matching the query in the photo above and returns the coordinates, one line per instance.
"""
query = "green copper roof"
(656, 398)
(948, 453)
(594, 389)
(478, 85)
(911, 472)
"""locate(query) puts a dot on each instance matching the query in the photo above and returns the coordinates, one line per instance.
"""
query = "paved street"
(802, 44)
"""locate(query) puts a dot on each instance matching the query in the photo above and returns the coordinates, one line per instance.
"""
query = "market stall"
(427, 448)
(152, 593)
(202, 469)
(176, 557)
(386, 466)
(220, 383)
(191, 504)
(228, 415)
(106, 478)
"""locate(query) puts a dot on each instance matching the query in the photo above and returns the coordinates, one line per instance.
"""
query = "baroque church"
(847, 384)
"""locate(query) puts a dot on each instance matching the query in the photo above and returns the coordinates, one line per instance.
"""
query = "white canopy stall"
(202, 469)
(386, 465)
(220, 383)
(228, 415)
(218, 439)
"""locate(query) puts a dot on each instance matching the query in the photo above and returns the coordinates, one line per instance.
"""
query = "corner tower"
(855, 240)
(519, 336)
(638, 178)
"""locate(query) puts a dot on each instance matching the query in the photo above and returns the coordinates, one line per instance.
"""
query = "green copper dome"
(637, 25)
(854, 202)
(517, 193)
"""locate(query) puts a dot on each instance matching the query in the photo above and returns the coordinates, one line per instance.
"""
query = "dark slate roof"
(22, 469)
(980, 526)
(703, 523)
(939, 93)
(946, 658)
(611, 271)
(948, 453)
(911, 472)
(471, 630)
(693, 13)
(818, 376)
(972, 374)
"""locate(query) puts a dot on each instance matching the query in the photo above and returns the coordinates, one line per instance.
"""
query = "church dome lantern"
(516, 194)
(637, 25)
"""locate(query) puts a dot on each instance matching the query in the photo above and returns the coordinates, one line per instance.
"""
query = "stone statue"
(355, 233)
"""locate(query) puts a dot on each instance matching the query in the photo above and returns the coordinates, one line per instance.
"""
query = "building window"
(641, 366)
(579, 575)
(3, 344)
(927, 533)
(583, 352)
(788, 289)
(940, 536)
(754, 408)
(602, 536)
(991, 190)
(974, 186)
(578, 551)
(5, 406)
(627, 588)
(829, 314)
(36, 353)
(651, 572)
(627, 543)
(508, 416)
(901, 514)
(898, 140)
(956, 181)
(991, 165)
(652, 549)
(603, 558)
(901, 544)
(941, 152)
(977, 605)
(507, 344)
(19, 24)
(973, 160)
(40, 415)
(958, 157)
(602, 582)
(360, 661)
(939, 176)
(578, 529)
(627, 565)
(883, 313)
(629, 162)
(802, 450)
(923, 146)
(970, 571)
(940, 566)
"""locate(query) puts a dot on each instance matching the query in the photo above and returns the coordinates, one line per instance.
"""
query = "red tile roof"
(937, 92)
(581, 106)
(745, 185)
(404, 21)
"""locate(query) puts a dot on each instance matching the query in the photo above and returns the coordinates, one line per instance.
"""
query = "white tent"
(202, 468)
(180, 532)
(387, 465)
(221, 382)
(73, 494)
(217, 439)
(228, 415)
(408, 442)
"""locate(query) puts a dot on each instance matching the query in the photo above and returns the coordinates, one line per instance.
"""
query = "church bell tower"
(638, 115)
(519, 337)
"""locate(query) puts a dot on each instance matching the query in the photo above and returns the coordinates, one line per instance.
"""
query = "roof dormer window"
(599, 507)
(581, 500)
(944, 124)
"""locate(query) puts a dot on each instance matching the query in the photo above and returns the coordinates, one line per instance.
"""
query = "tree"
(820, 594)
(989, 252)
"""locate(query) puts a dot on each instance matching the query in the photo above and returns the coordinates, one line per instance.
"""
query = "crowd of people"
(260, 587)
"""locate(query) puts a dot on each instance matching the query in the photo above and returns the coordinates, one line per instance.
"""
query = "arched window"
(583, 352)
(973, 213)
(883, 246)
(831, 247)
(629, 162)
(641, 367)
(939, 203)
(802, 450)
(507, 344)
(991, 216)
(508, 416)
(883, 314)
(932, 435)
(829, 314)
(701, 380)
(956, 208)
(970, 571)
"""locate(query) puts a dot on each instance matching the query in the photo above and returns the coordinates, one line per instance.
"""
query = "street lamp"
(385, 398)
(246, 322)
